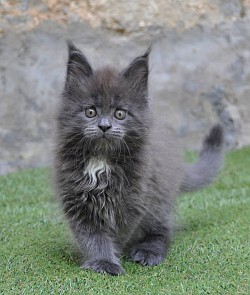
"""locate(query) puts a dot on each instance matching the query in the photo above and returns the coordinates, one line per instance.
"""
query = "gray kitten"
(116, 174)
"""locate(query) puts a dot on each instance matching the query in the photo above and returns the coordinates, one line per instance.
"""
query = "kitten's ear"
(137, 72)
(77, 63)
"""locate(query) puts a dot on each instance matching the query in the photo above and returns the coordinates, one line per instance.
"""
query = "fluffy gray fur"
(117, 179)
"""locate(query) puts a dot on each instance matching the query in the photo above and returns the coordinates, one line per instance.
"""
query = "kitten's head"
(105, 108)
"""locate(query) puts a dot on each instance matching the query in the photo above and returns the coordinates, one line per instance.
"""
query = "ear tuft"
(137, 72)
(147, 52)
(77, 62)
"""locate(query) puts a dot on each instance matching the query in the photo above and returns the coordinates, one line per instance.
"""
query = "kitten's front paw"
(146, 257)
(104, 266)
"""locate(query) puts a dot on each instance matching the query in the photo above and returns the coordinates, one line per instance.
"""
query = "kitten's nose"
(104, 125)
(104, 128)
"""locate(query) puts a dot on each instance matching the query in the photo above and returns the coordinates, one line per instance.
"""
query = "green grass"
(209, 255)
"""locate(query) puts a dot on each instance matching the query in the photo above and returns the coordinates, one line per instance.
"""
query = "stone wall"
(200, 65)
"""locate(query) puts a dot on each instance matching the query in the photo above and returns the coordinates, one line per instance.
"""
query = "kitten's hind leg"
(151, 250)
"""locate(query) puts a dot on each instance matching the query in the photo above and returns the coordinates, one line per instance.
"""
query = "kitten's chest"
(97, 176)
(101, 192)
(106, 199)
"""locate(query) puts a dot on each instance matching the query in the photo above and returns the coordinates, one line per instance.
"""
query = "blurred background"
(200, 65)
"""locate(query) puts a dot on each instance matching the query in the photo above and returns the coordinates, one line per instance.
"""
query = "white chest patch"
(95, 168)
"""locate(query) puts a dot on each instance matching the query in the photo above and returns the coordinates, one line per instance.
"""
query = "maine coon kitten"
(115, 180)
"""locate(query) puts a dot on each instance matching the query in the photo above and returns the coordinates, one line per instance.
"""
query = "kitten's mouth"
(109, 136)
(104, 136)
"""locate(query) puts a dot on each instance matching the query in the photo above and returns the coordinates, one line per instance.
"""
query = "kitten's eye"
(120, 114)
(90, 112)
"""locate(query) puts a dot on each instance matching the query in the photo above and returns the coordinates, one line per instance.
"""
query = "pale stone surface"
(200, 67)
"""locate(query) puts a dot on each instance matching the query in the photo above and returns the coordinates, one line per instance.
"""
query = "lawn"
(209, 254)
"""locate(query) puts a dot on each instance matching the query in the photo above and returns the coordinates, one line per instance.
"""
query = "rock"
(130, 16)
(200, 70)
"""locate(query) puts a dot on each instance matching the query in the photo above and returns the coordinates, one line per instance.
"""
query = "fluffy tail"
(202, 173)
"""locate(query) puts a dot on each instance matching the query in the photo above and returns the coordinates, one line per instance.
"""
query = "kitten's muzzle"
(104, 125)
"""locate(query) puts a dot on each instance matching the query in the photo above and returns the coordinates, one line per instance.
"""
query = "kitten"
(116, 181)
